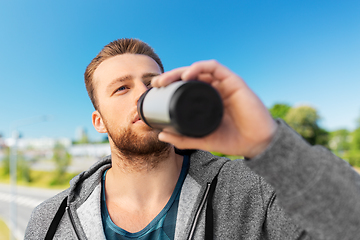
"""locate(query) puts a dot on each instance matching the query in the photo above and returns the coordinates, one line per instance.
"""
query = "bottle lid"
(196, 109)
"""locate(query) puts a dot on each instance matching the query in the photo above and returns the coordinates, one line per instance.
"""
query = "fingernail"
(160, 136)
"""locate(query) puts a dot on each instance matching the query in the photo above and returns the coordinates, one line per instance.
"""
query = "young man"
(147, 189)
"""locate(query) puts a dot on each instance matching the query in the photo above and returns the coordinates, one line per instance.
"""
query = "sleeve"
(318, 190)
(278, 225)
(36, 227)
(42, 216)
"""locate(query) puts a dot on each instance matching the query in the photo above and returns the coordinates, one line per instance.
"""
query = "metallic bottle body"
(191, 108)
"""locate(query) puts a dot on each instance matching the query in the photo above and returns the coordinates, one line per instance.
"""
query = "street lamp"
(13, 165)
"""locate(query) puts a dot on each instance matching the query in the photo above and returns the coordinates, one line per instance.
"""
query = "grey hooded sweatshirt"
(290, 191)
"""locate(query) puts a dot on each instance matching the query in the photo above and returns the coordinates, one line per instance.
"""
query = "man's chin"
(139, 141)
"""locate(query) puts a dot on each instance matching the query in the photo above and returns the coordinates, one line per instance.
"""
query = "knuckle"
(214, 62)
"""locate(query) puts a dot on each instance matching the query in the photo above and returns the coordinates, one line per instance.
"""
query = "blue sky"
(293, 51)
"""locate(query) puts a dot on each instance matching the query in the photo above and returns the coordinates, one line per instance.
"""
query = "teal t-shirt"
(162, 227)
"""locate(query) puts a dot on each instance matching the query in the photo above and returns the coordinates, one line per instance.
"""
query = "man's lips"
(136, 119)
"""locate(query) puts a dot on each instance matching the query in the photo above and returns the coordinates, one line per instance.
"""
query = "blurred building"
(40, 151)
(44, 143)
(90, 150)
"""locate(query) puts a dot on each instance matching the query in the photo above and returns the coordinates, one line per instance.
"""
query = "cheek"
(119, 114)
(118, 111)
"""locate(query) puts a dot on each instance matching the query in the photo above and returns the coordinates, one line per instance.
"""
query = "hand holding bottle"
(247, 126)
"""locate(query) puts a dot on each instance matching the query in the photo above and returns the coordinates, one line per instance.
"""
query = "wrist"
(261, 145)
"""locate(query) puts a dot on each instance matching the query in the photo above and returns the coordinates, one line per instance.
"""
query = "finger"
(212, 67)
(168, 77)
(205, 77)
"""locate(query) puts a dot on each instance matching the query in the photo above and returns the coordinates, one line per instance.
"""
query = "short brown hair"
(117, 47)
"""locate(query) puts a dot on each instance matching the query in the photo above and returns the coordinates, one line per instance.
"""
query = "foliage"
(340, 142)
(354, 153)
(304, 120)
(62, 160)
(232, 157)
(41, 179)
(218, 154)
(353, 157)
(322, 137)
(279, 110)
(22, 169)
(6, 162)
(346, 145)
(355, 140)
(46, 179)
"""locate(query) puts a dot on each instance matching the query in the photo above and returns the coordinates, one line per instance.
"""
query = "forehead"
(122, 65)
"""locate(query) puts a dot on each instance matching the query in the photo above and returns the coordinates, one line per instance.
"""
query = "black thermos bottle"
(191, 108)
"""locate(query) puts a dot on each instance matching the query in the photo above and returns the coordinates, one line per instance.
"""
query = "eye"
(148, 84)
(121, 88)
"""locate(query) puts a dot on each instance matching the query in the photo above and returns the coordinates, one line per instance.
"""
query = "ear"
(98, 122)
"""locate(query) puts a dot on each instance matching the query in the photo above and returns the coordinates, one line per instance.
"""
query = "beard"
(139, 151)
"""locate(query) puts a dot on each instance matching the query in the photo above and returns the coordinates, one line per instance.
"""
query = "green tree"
(339, 142)
(279, 110)
(6, 162)
(23, 170)
(62, 159)
(322, 137)
(304, 120)
(354, 153)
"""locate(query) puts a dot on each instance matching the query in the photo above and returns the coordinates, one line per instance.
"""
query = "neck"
(138, 184)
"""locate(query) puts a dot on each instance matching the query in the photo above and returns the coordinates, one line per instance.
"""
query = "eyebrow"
(110, 87)
(144, 77)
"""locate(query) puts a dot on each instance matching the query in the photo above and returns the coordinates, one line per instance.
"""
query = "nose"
(140, 89)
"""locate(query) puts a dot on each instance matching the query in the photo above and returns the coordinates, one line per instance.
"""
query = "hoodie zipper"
(197, 215)
(72, 222)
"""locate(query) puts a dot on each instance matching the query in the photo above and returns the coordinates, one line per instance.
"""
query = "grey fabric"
(88, 214)
(186, 204)
(245, 204)
(37, 228)
(81, 187)
(320, 191)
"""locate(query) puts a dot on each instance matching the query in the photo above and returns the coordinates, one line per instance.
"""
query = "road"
(27, 199)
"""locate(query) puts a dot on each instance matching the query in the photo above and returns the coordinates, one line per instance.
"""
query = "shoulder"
(237, 178)
(204, 166)
(42, 216)
(238, 170)
(52, 204)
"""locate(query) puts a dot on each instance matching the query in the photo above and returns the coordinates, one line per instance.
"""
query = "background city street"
(27, 199)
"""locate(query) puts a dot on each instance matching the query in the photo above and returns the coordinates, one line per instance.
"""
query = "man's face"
(119, 82)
